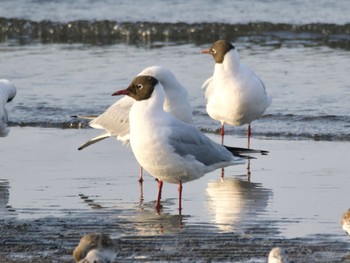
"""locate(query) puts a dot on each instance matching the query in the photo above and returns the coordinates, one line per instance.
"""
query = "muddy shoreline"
(53, 240)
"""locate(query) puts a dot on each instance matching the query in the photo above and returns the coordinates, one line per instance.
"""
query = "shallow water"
(52, 176)
(309, 85)
(294, 193)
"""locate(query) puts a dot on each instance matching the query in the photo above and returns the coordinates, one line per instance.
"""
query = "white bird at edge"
(277, 255)
(235, 94)
(115, 120)
(345, 222)
(95, 248)
(169, 149)
(7, 93)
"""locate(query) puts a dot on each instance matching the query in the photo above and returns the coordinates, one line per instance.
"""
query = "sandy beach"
(52, 194)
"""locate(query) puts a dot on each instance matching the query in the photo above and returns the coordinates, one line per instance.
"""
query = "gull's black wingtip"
(263, 152)
(245, 151)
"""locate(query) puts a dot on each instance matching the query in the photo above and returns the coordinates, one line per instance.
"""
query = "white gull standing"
(7, 93)
(235, 94)
(115, 120)
(169, 149)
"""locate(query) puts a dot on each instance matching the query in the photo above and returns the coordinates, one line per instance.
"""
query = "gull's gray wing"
(94, 140)
(188, 140)
(3, 122)
(207, 83)
(85, 117)
(115, 120)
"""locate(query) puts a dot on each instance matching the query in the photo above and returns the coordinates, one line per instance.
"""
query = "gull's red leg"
(180, 195)
(249, 133)
(222, 133)
(141, 171)
(160, 186)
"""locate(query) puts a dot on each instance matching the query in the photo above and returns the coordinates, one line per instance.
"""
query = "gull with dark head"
(7, 93)
(235, 94)
(169, 149)
(115, 120)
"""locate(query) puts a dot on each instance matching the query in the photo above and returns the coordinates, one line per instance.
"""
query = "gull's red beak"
(121, 92)
(206, 51)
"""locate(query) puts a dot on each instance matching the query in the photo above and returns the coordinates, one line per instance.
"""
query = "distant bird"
(7, 93)
(115, 120)
(345, 222)
(95, 248)
(169, 149)
(277, 255)
(235, 94)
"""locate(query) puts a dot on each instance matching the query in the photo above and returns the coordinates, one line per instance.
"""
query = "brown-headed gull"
(235, 94)
(169, 149)
(95, 248)
(115, 120)
(7, 93)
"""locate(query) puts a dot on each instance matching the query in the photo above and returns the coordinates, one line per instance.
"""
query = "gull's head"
(155, 71)
(141, 88)
(163, 75)
(218, 50)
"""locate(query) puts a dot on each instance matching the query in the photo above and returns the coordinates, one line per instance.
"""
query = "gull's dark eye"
(139, 86)
(213, 51)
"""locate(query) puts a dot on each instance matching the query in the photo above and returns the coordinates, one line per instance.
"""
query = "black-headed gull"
(7, 93)
(345, 222)
(169, 149)
(235, 94)
(115, 120)
(95, 248)
(277, 255)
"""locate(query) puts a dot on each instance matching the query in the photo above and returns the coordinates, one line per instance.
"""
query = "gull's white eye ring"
(139, 86)
(213, 51)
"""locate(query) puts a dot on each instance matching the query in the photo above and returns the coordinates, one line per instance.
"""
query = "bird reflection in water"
(141, 192)
(248, 171)
(5, 209)
(231, 200)
(147, 221)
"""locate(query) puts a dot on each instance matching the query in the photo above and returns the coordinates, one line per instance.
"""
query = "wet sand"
(51, 194)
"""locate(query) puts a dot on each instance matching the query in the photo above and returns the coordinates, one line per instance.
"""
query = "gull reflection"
(5, 209)
(231, 200)
(148, 221)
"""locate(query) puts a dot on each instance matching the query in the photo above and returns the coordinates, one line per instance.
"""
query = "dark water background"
(67, 58)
